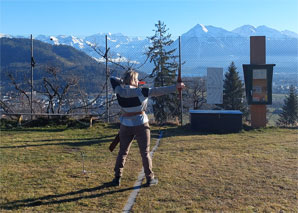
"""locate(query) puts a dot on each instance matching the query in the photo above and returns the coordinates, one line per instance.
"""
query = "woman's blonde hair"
(130, 76)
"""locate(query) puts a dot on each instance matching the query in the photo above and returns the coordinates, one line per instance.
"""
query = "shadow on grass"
(114, 125)
(62, 198)
(70, 139)
(53, 128)
(186, 130)
(174, 130)
(82, 142)
(20, 129)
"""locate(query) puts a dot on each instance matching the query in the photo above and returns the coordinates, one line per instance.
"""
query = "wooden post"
(32, 65)
(258, 56)
(107, 86)
(257, 50)
(90, 121)
(179, 79)
(20, 120)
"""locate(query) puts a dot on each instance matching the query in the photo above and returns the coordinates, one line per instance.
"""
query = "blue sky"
(137, 17)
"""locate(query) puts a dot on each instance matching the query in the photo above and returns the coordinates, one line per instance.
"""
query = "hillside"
(15, 60)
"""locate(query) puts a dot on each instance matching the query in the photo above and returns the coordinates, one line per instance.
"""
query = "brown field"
(250, 171)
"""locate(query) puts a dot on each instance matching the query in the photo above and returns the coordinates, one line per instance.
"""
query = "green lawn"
(42, 171)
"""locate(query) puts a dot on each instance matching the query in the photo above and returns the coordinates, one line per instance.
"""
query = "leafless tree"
(20, 100)
(195, 92)
(56, 88)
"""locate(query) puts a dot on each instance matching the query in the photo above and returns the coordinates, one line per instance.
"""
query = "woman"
(134, 121)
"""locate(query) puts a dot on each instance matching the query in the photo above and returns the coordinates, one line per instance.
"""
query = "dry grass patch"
(249, 171)
(42, 171)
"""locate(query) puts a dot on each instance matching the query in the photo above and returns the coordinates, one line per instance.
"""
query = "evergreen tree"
(289, 115)
(233, 94)
(164, 72)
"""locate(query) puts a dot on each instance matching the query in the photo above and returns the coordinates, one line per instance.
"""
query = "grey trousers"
(127, 133)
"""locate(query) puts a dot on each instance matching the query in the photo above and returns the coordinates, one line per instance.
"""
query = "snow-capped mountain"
(245, 30)
(201, 46)
(289, 34)
(248, 30)
(5, 36)
(204, 46)
(208, 31)
(119, 45)
(73, 41)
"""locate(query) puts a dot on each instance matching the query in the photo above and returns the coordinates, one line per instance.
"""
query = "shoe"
(152, 182)
(116, 181)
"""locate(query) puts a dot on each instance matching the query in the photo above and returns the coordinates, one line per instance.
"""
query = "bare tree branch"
(196, 91)
(18, 88)
(5, 107)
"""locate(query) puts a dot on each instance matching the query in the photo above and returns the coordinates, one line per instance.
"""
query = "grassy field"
(252, 171)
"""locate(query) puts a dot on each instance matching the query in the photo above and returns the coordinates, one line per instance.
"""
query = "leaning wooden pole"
(180, 80)
(32, 65)
(107, 88)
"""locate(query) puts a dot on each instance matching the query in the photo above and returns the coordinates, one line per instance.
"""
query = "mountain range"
(16, 61)
(201, 46)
